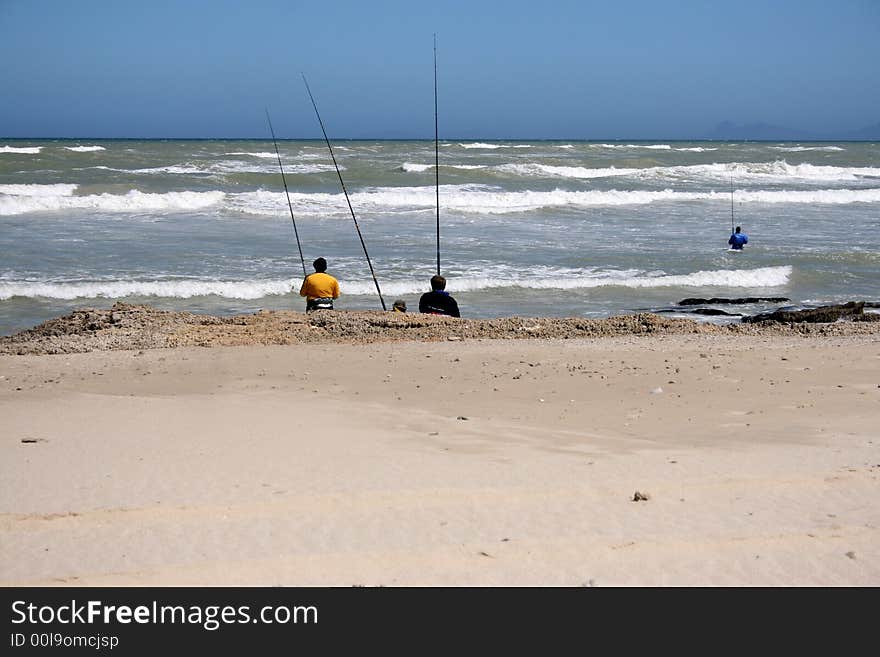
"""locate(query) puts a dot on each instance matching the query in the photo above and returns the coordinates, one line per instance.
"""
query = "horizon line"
(431, 139)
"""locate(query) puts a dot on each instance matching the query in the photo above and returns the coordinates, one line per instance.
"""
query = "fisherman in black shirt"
(438, 301)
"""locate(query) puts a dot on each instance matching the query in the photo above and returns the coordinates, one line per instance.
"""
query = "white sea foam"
(494, 146)
(133, 201)
(255, 289)
(763, 277)
(31, 190)
(769, 172)
(782, 170)
(800, 149)
(819, 196)
(476, 199)
(85, 149)
(411, 167)
(180, 289)
(264, 155)
(565, 146)
(778, 171)
(414, 167)
(545, 170)
(653, 147)
(21, 149)
(224, 167)
(696, 149)
(481, 199)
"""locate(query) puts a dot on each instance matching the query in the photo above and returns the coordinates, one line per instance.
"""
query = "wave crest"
(255, 289)
(133, 201)
(32, 150)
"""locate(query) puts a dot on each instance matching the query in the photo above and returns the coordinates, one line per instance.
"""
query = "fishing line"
(436, 155)
(344, 191)
(289, 206)
(731, 201)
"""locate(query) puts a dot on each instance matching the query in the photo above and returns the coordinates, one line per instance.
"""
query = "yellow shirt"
(319, 286)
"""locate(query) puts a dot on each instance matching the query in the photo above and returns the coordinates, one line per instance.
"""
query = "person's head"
(399, 306)
(738, 229)
(438, 282)
(320, 265)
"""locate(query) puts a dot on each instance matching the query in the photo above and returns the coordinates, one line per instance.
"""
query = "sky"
(538, 69)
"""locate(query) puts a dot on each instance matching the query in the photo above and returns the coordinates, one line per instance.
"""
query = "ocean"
(530, 228)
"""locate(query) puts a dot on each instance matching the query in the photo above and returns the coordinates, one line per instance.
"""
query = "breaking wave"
(263, 155)
(21, 149)
(180, 289)
(770, 172)
(573, 279)
(36, 189)
(256, 289)
(650, 147)
(133, 201)
(477, 199)
(800, 149)
(494, 146)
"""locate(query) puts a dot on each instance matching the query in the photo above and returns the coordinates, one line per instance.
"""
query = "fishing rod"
(344, 191)
(436, 155)
(289, 206)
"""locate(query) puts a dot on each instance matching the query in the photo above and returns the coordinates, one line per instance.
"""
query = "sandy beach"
(446, 459)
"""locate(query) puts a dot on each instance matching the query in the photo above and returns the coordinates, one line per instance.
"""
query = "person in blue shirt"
(738, 239)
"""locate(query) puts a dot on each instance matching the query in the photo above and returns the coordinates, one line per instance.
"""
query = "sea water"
(537, 228)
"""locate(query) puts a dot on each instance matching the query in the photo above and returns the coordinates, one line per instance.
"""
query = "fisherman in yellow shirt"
(319, 288)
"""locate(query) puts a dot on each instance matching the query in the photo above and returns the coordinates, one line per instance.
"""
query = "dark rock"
(823, 314)
(711, 311)
(699, 311)
(717, 300)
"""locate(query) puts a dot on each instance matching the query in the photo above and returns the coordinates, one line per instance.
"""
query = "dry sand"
(468, 462)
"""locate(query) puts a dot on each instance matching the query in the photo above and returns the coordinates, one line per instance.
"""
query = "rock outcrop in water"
(721, 300)
(824, 314)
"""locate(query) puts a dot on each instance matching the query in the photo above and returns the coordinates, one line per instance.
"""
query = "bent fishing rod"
(289, 206)
(436, 156)
(345, 191)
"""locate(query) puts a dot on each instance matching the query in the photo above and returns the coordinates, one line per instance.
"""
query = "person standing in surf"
(320, 288)
(438, 301)
(738, 239)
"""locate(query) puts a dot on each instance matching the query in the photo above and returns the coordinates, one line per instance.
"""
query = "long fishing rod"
(289, 206)
(344, 191)
(436, 155)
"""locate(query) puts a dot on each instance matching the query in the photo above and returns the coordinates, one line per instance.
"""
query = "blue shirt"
(737, 240)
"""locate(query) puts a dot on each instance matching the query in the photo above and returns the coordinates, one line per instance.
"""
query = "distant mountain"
(728, 130)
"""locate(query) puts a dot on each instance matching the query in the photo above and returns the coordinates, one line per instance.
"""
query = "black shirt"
(438, 302)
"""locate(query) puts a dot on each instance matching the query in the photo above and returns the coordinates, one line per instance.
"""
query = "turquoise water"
(562, 228)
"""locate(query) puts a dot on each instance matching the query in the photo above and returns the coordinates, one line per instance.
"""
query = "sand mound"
(127, 326)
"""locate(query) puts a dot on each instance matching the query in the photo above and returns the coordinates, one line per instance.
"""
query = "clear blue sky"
(507, 68)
